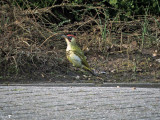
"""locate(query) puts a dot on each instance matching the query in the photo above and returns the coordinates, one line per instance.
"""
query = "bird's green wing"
(80, 54)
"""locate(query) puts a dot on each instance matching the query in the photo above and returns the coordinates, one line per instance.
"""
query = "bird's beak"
(64, 36)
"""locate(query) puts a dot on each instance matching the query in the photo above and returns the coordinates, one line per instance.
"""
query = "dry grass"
(27, 44)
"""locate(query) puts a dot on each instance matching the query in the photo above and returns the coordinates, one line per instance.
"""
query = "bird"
(75, 55)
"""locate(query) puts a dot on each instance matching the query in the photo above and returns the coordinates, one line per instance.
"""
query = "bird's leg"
(75, 68)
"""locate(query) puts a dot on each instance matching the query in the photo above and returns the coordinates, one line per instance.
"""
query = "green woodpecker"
(75, 55)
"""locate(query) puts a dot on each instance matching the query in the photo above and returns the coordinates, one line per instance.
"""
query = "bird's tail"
(90, 70)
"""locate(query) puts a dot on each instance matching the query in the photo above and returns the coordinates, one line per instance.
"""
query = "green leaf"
(113, 2)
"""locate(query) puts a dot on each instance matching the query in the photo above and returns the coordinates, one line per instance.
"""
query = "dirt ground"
(137, 67)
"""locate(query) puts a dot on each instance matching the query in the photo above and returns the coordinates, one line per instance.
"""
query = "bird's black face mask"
(69, 38)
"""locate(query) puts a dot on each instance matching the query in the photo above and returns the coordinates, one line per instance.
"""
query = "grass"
(31, 43)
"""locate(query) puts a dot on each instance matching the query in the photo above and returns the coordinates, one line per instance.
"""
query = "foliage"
(126, 8)
(136, 7)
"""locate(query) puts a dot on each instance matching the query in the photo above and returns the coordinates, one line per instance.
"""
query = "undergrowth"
(31, 43)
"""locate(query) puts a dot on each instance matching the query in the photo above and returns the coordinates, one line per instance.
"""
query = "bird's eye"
(70, 37)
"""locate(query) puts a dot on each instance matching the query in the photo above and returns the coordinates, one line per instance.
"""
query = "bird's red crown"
(71, 35)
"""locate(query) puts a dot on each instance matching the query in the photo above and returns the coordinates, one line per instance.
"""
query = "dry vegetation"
(31, 47)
